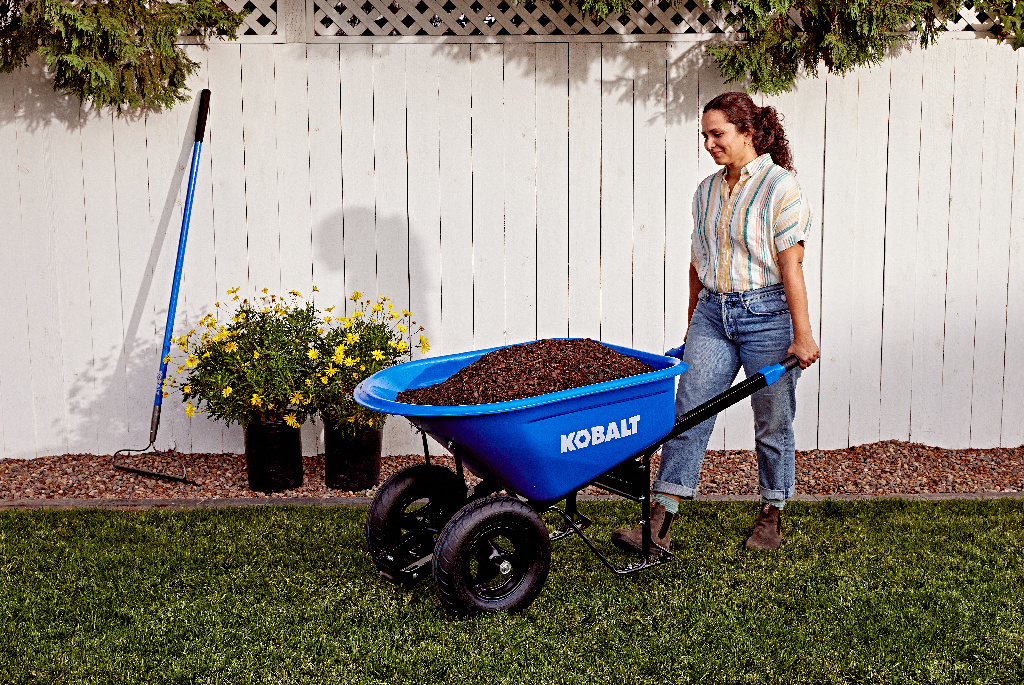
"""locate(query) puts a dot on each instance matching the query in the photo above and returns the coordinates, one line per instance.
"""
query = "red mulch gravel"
(884, 468)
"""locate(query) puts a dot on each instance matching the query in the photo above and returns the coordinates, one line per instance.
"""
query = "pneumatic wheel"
(408, 512)
(492, 556)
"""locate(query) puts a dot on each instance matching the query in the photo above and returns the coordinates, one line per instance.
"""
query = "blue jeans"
(752, 329)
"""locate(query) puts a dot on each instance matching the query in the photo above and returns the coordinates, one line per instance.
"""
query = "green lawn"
(868, 591)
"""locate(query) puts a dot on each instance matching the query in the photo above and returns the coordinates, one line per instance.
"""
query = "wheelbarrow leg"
(645, 508)
(426, 448)
(572, 513)
(645, 524)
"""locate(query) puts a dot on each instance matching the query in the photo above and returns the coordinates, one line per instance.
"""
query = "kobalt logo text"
(598, 434)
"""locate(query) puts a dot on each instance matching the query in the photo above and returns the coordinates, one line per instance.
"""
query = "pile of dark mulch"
(528, 370)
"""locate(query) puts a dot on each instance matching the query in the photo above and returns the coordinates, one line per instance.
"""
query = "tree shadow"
(347, 270)
(36, 104)
(662, 84)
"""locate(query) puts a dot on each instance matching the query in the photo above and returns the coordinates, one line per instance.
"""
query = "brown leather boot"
(767, 529)
(632, 540)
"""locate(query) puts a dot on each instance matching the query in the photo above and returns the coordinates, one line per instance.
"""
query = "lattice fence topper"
(507, 17)
(262, 17)
(543, 18)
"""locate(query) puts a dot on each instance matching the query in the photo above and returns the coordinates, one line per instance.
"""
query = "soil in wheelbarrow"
(528, 370)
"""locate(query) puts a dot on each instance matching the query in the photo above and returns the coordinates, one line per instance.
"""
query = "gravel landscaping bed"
(883, 468)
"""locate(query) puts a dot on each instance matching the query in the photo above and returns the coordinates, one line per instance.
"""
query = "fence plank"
(932, 240)
(16, 417)
(901, 210)
(488, 198)
(424, 187)
(326, 208)
(866, 355)
(682, 150)
(390, 180)
(993, 248)
(456, 333)
(261, 161)
(136, 236)
(36, 159)
(72, 275)
(291, 120)
(962, 257)
(585, 216)
(803, 113)
(839, 219)
(1012, 430)
(106, 328)
(225, 142)
(552, 145)
(357, 147)
(649, 132)
(226, 145)
(617, 93)
(520, 130)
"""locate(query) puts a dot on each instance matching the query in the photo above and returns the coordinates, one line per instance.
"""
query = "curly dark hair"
(764, 124)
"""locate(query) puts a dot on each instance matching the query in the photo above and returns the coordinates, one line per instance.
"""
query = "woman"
(748, 307)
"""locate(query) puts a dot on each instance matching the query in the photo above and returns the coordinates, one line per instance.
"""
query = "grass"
(885, 591)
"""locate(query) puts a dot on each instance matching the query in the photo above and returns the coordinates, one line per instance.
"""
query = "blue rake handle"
(204, 109)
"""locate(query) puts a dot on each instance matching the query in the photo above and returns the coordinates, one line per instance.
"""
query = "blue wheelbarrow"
(491, 552)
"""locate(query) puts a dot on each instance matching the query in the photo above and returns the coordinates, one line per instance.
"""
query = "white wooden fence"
(506, 191)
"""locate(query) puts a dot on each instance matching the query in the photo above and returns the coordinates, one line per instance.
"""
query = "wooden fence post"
(291, 20)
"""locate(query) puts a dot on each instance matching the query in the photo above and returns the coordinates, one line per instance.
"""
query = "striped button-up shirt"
(738, 235)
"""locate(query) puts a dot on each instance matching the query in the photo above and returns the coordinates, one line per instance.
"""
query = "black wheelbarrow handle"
(762, 379)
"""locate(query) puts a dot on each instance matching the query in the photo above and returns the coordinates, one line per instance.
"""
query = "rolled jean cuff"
(673, 489)
(777, 494)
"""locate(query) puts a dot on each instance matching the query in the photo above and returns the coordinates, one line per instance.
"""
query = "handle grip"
(204, 110)
(762, 379)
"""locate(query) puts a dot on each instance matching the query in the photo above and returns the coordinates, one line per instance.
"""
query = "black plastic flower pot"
(351, 461)
(273, 456)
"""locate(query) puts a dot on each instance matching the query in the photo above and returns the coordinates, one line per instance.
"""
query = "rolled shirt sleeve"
(792, 222)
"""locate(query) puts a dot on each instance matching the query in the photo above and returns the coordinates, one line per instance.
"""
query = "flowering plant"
(256, 366)
(374, 336)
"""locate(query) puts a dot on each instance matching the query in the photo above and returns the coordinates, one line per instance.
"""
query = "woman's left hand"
(806, 350)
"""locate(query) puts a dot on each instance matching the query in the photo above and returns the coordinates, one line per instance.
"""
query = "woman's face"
(726, 145)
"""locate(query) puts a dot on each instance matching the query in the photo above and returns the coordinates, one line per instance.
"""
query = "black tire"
(410, 509)
(492, 556)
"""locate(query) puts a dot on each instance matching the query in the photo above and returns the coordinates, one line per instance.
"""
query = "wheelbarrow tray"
(543, 447)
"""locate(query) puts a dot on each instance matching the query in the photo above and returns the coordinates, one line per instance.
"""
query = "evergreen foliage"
(842, 34)
(118, 53)
(1009, 18)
